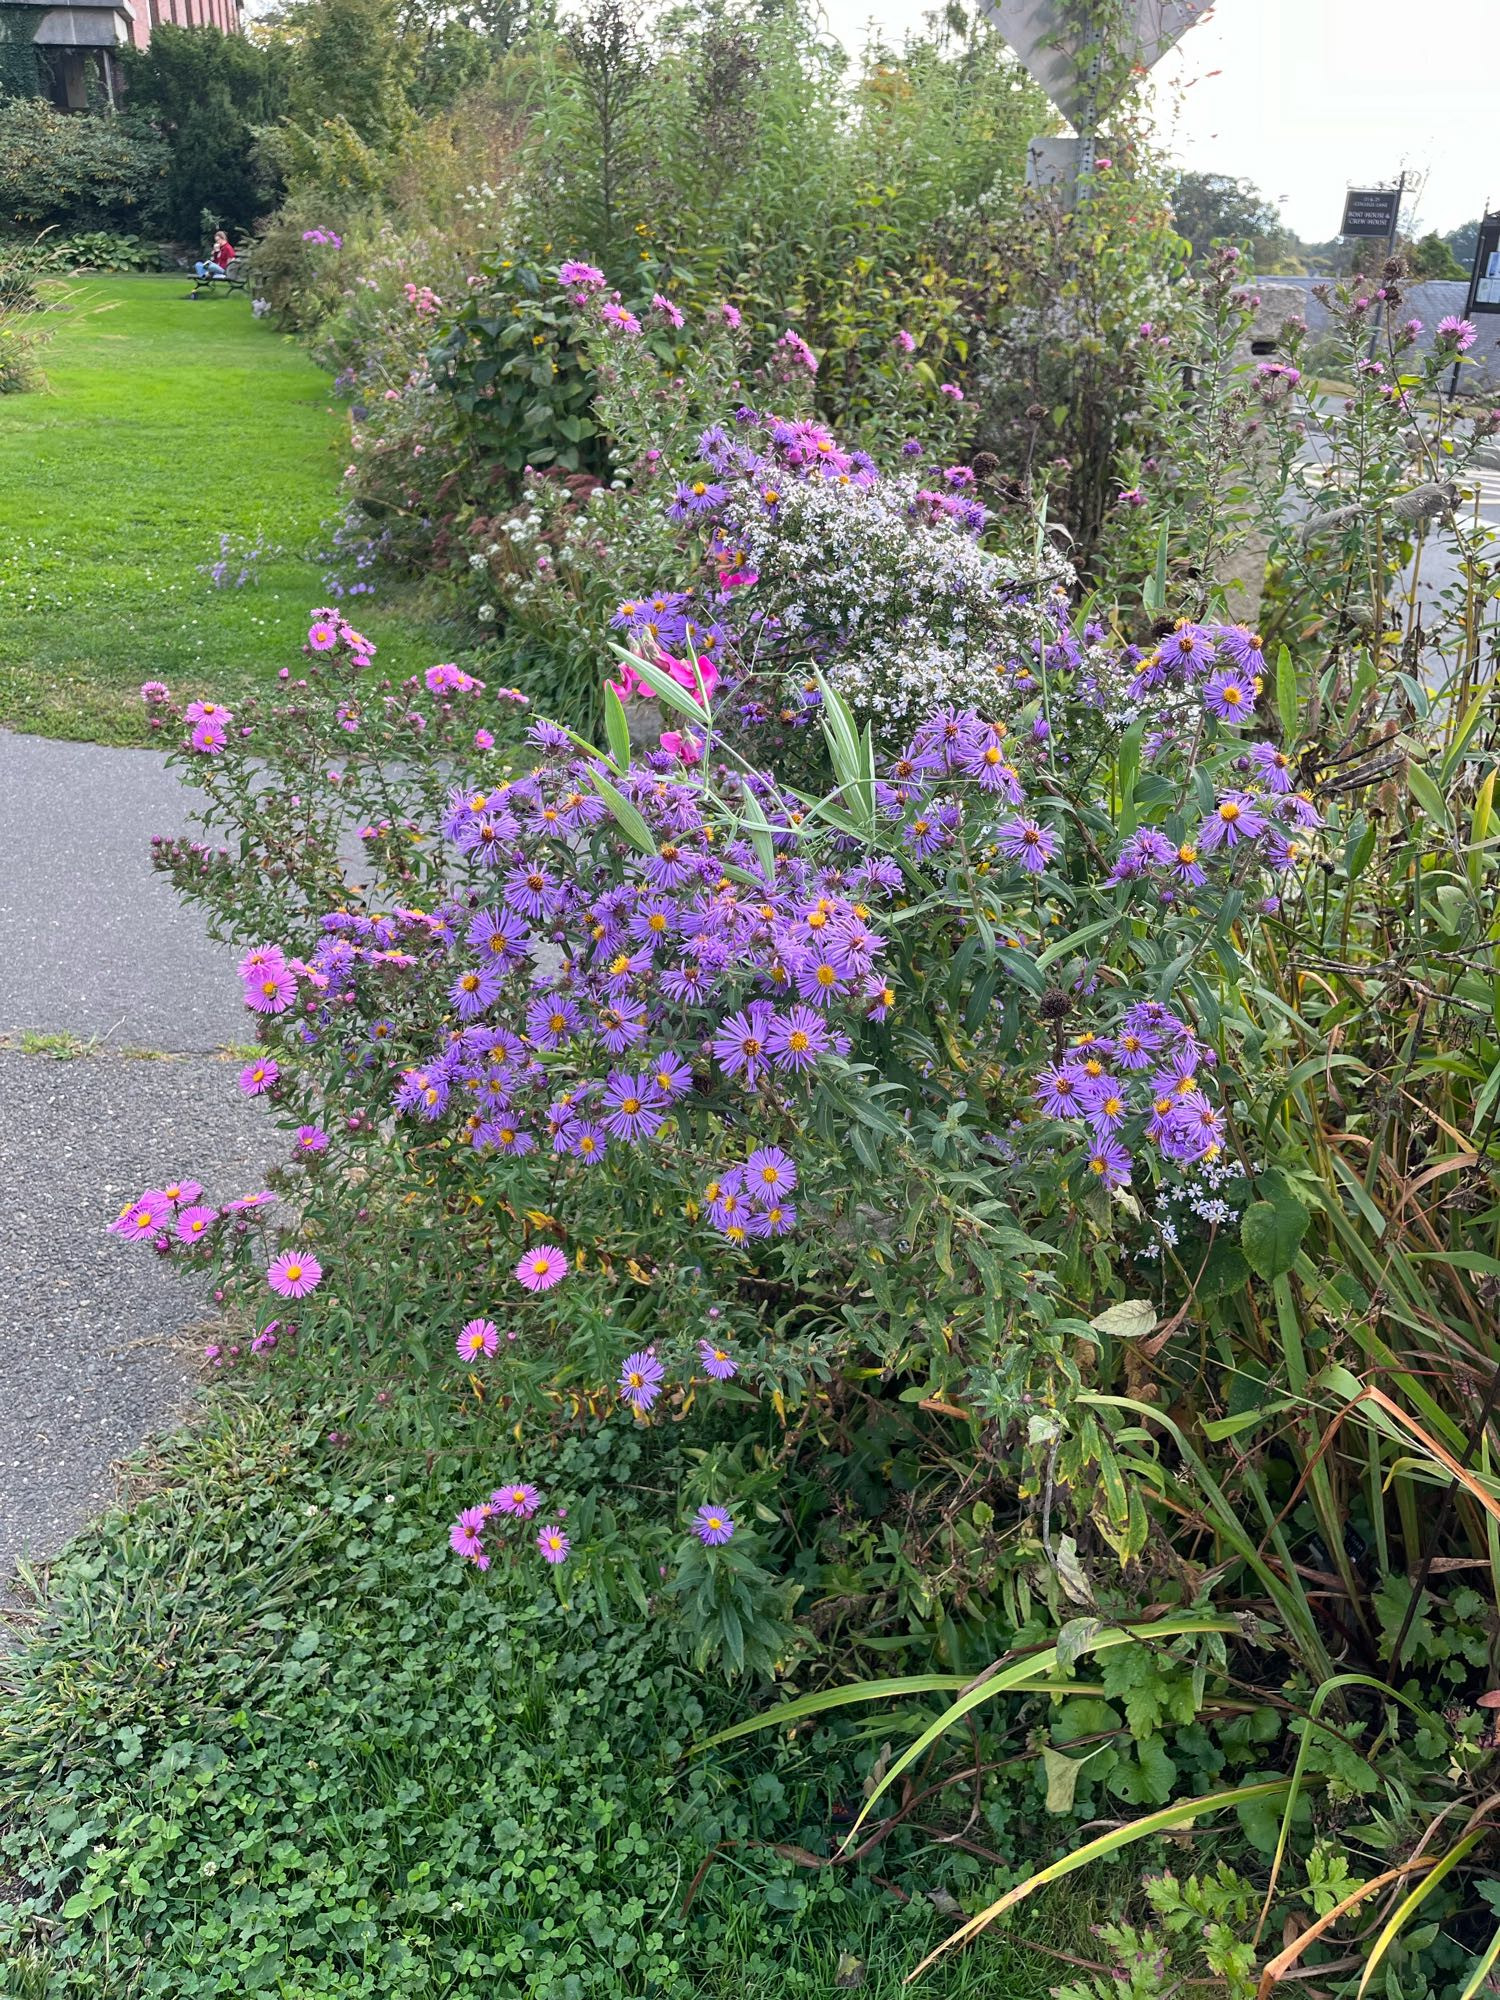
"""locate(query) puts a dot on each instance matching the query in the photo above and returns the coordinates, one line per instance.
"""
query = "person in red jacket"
(219, 256)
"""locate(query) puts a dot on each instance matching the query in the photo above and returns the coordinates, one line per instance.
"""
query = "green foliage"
(76, 173)
(204, 93)
(1431, 256)
(91, 250)
(349, 63)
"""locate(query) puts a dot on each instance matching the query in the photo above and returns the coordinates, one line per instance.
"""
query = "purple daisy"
(1023, 841)
(193, 1223)
(311, 1139)
(1235, 818)
(633, 1106)
(1110, 1162)
(641, 1377)
(740, 1044)
(717, 1361)
(258, 1077)
(520, 1499)
(796, 1039)
(272, 991)
(144, 1217)
(770, 1172)
(1229, 693)
(713, 1526)
(466, 1540)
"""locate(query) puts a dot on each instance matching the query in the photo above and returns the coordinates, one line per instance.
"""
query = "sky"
(1306, 97)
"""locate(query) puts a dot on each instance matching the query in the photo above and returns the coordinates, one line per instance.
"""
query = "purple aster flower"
(180, 1192)
(1272, 766)
(740, 1044)
(634, 1108)
(584, 275)
(520, 1500)
(209, 737)
(1060, 1090)
(475, 990)
(795, 1040)
(1105, 1103)
(532, 891)
(294, 1274)
(641, 1377)
(1229, 693)
(553, 1543)
(671, 1075)
(716, 1361)
(770, 1172)
(1109, 1160)
(1235, 818)
(696, 496)
(477, 1337)
(551, 1021)
(780, 1219)
(258, 1077)
(542, 1268)
(1026, 843)
(586, 1141)
(1187, 867)
(713, 1526)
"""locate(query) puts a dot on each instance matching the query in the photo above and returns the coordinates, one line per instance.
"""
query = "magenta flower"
(1457, 334)
(952, 391)
(181, 1192)
(466, 1540)
(553, 1543)
(905, 341)
(294, 1274)
(713, 1526)
(322, 637)
(311, 1139)
(521, 1500)
(579, 274)
(208, 737)
(154, 693)
(477, 1337)
(272, 992)
(143, 1217)
(193, 1223)
(258, 1077)
(717, 1361)
(540, 1269)
(732, 315)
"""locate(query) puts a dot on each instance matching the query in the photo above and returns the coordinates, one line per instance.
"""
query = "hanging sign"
(1370, 211)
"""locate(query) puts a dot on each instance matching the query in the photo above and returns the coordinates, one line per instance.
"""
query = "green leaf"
(1062, 1778)
(1288, 704)
(662, 683)
(617, 729)
(1271, 1234)
(627, 815)
(1131, 1319)
(1425, 791)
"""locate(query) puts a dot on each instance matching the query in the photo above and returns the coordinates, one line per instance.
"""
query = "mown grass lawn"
(163, 425)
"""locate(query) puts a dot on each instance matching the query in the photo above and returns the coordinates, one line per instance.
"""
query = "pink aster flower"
(553, 1543)
(180, 1192)
(465, 1538)
(208, 738)
(322, 637)
(258, 1077)
(951, 390)
(294, 1274)
(732, 315)
(477, 1337)
(906, 341)
(540, 1269)
(154, 693)
(713, 1526)
(579, 274)
(520, 1499)
(143, 1217)
(193, 1223)
(311, 1139)
(272, 992)
(1458, 335)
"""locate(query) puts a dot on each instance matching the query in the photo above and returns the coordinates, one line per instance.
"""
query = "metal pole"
(1473, 291)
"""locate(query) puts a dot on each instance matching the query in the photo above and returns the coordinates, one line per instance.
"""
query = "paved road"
(92, 944)
(91, 941)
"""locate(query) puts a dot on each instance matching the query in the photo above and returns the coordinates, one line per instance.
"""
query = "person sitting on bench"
(218, 258)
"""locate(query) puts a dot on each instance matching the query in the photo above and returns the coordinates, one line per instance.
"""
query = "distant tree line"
(1210, 208)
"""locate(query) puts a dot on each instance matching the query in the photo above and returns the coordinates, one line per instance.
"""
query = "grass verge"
(164, 425)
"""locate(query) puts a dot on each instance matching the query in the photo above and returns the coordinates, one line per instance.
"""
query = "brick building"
(75, 43)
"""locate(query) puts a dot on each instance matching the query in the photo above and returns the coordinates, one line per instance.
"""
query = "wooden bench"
(235, 277)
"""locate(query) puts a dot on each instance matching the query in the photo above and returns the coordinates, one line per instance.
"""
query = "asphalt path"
(95, 1352)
